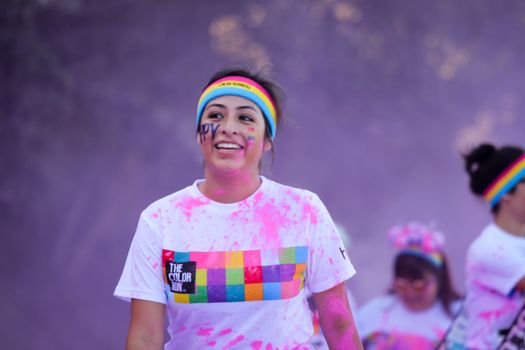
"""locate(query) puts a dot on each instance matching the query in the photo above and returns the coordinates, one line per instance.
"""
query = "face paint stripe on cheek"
(251, 136)
(207, 128)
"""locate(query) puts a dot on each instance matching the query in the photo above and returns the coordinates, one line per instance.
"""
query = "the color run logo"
(181, 276)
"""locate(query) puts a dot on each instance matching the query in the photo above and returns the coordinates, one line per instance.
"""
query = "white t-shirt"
(234, 275)
(386, 323)
(495, 263)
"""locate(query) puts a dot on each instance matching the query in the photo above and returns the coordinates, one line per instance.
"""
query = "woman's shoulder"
(188, 193)
(295, 193)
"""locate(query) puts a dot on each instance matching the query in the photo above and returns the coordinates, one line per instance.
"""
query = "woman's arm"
(146, 328)
(336, 319)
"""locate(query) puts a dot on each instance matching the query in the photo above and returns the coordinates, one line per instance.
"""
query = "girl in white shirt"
(420, 307)
(496, 258)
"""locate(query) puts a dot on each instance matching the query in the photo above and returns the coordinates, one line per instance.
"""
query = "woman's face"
(417, 295)
(516, 202)
(232, 136)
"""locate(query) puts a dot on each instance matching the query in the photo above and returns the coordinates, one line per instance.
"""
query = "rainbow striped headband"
(418, 239)
(505, 181)
(242, 87)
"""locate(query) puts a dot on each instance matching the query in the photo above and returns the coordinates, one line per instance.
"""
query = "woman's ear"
(267, 144)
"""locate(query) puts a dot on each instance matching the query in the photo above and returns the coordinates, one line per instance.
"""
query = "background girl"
(420, 306)
(496, 258)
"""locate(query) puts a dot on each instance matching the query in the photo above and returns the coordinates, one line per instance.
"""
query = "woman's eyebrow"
(246, 107)
(215, 105)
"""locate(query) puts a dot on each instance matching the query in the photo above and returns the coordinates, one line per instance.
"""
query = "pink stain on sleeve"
(237, 340)
(310, 211)
(295, 196)
(256, 345)
(224, 332)
(212, 343)
(204, 332)
(188, 204)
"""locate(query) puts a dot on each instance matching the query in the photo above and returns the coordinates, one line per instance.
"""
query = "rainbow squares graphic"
(234, 276)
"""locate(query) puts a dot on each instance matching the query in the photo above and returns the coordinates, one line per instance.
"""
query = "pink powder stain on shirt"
(212, 343)
(224, 332)
(497, 313)
(188, 204)
(204, 332)
(310, 211)
(330, 261)
(272, 220)
(256, 345)
(237, 340)
(295, 196)
(269, 346)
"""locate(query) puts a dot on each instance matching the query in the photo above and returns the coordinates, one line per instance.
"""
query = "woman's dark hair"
(414, 267)
(273, 89)
(485, 163)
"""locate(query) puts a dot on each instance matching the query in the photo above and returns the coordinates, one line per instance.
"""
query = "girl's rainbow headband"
(505, 181)
(243, 87)
(418, 239)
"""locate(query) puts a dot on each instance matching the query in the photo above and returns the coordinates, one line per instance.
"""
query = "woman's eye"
(246, 118)
(214, 116)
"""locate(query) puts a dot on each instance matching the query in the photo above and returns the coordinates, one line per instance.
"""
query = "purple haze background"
(97, 106)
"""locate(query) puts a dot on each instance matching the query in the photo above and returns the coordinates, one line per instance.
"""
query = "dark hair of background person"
(485, 163)
(413, 267)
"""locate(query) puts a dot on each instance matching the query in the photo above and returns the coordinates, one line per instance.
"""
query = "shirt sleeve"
(498, 267)
(142, 275)
(328, 260)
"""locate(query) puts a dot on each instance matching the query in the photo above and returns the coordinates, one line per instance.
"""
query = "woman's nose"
(229, 126)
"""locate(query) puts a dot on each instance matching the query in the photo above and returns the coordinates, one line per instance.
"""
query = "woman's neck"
(229, 188)
(510, 224)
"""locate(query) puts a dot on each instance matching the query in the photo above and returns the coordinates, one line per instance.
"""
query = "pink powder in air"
(188, 204)
(256, 345)
(239, 339)
(204, 332)
(224, 332)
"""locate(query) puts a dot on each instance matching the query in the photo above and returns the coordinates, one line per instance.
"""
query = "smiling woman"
(232, 258)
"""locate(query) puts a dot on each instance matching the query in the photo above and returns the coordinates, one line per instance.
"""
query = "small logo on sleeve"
(342, 252)
(181, 276)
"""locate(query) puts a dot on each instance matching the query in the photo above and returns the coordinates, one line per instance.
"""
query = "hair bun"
(477, 157)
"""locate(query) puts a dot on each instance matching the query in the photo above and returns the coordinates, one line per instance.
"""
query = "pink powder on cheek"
(256, 345)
